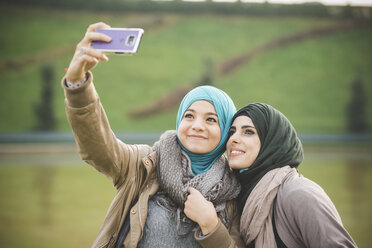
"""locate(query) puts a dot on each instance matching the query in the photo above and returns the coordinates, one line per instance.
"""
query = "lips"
(236, 152)
(197, 137)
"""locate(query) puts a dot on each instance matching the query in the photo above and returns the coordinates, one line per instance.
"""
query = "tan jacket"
(131, 169)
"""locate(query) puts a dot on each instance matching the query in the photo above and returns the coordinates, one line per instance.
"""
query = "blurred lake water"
(50, 198)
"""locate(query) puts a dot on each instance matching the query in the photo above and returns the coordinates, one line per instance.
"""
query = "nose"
(234, 138)
(198, 125)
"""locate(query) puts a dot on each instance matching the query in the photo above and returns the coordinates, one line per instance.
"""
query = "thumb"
(192, 190)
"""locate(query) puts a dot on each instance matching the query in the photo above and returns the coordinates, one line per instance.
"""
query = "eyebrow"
(208, 113)
(245, 126)
(248, 126)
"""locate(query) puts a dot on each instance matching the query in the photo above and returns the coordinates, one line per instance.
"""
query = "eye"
(231, 132)
(188, 116)
(211, 119)
(249, 132)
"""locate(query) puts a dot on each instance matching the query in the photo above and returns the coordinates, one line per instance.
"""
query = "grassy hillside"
(309, 81)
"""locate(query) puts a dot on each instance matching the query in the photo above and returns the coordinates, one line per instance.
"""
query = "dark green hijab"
(280, 145)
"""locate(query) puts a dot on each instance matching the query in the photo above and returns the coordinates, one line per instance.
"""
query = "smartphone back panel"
(124, 40)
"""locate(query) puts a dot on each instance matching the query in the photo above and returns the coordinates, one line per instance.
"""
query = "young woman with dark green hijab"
(280, 207)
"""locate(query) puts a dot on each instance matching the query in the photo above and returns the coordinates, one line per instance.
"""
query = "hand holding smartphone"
(125, 41)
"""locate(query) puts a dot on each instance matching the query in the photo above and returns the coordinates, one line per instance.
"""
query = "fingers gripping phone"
(123, 40)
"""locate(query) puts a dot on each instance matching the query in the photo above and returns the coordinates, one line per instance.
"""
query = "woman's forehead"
(202, 106)
(242, 121)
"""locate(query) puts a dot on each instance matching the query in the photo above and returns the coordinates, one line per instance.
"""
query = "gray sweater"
(306, 217)
(161, 229)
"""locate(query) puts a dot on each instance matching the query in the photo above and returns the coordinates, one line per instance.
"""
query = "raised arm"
(85, 57)
(98, 145)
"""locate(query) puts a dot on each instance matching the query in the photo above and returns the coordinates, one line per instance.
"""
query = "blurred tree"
(43, 110)
(356, 109)
(207, 76)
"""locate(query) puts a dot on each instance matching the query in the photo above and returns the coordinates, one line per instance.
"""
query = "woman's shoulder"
(306, 216)
(300, 195)
(300, 187)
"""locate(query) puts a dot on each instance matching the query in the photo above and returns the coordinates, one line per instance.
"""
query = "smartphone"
(124, 41)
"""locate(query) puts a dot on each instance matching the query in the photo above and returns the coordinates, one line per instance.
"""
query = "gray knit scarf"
(217, 185)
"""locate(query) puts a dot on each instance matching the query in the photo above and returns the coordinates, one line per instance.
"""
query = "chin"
(196, 148)
(233, 167)
(198, 151)
(236, 165)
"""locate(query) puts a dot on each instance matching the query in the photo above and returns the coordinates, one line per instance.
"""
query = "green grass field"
(64, 206)
(52, 206)
(308, 81)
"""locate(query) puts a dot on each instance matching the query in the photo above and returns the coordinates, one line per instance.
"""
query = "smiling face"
(244, 143)
(199, 130)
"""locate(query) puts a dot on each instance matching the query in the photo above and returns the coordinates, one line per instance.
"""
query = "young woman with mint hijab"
(280, 207)
(159, 187)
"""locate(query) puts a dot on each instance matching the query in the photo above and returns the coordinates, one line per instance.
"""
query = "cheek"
(256, 150)
(217, 134)
(181, 133)
(181, 128)
(254, 156)
(228, 144)
(253, 148)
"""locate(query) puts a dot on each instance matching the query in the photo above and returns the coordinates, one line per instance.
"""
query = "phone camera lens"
(130, 40)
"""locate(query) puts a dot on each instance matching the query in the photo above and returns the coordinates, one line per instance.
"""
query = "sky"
(325, 2)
